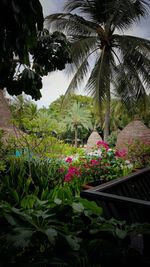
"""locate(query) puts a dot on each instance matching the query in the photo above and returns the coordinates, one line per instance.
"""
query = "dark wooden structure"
(126, 198)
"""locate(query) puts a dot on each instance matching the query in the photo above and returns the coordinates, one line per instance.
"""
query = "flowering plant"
(105, 165)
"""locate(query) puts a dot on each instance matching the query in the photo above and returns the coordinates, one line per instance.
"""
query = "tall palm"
(78, 116)
(118, 60)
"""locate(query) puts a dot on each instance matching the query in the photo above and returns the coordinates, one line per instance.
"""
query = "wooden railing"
(126, 198)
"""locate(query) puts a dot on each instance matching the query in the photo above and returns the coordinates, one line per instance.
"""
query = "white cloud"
(54, 85)
(51, 6)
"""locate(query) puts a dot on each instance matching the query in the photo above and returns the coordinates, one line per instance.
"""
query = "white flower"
(97, 152)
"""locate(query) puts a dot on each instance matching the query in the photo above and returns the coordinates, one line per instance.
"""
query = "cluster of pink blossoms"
(72, 172)
(119, 153)
(103, 144)
(94, 161)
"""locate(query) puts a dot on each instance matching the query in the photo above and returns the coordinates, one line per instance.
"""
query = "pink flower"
(72, 171)
(103, 144)
(94, 162)
(69, 160)
(68, 177)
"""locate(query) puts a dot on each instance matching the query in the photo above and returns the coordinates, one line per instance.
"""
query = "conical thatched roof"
(135, 130)
(5, 114)
(92, 140)
(5, 118)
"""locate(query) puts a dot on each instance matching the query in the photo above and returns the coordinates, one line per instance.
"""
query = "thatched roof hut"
(6, 117)
(5, 114)
(92, 140)
(135, 130)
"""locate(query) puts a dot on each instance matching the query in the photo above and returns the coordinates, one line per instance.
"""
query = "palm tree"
(23, 107)
(118, 60)
(77, 117)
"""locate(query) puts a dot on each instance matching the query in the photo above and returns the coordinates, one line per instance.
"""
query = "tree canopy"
(119, 61)
(23, 38)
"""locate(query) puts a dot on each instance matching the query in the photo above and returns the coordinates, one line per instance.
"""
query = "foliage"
(38, 168)
(25, 179)
(22, 109)
(78, 117)
(44, 222)
(139, 153)
(50, 53)
(2, 151)
(60, 108)
(26, 18)
(112, 138)
(44, 236)
(45, 146)
(16, 48)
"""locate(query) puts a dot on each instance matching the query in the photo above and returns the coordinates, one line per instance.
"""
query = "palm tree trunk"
(76, 137)
(107, 115)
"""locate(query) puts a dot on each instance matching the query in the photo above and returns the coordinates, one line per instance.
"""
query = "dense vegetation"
(18, 73)
(43, 220)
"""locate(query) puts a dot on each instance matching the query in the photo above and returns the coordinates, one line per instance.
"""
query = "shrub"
(139, 153)
(102, 165)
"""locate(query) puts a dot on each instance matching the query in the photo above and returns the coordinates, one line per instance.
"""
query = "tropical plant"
(96, 168)
(119, 61)
(17, 74)
(77, 117)
(43, 236)
(22, 108)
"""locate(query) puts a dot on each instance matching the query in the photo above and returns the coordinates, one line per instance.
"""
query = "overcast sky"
(56, 83)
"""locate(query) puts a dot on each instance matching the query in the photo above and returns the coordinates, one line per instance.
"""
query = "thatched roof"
(135, 130)
(11, 132)
(92, 140)
(5, 114)
(5, 118)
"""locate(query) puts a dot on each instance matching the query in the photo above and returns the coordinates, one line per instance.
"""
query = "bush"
(139, 153)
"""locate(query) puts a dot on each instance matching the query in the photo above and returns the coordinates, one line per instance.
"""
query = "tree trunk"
(107, 116)
(76, 137)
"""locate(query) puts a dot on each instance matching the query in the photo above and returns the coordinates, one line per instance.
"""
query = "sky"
(56, 83)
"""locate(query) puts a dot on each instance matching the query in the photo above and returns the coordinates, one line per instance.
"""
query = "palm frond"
(131, 41)
(120, 14)
(81, 52)
(77, 79)
(70, 24)
(135, 60)
(82, 48)
(100, 77)
(129, 87)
